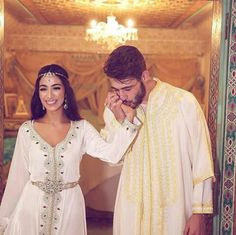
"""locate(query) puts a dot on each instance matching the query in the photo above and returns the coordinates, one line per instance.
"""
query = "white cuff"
(131, 126)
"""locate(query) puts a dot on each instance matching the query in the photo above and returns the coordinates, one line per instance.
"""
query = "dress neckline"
(45, 142)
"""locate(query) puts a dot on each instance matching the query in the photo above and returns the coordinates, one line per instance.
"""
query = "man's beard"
(138, 99)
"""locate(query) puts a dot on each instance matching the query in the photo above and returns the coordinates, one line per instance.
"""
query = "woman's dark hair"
(124, 62)
(37, 110)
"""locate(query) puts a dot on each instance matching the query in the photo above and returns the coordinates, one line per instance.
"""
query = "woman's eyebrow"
(57, 84)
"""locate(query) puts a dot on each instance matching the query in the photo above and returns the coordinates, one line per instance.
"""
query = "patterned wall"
(228, 184)
(32, 37)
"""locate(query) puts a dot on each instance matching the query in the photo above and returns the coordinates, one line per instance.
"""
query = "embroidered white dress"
(28, 210)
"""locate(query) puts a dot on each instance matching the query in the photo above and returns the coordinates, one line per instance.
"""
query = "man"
(165, 186)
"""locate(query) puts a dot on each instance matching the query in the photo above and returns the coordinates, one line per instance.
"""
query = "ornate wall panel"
(228, 172)
(213, 96)
(214, 76)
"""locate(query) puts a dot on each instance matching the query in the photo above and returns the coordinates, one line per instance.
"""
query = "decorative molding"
(13, 124)
(214, 75)
(69, 43)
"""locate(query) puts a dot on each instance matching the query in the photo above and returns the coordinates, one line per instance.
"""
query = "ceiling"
(145, 13)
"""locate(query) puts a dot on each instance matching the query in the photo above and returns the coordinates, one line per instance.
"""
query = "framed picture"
(10, 104)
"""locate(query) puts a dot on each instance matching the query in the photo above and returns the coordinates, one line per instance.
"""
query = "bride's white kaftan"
(42, 195)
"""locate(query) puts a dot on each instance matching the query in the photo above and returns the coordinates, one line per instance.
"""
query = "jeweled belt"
(52, 187)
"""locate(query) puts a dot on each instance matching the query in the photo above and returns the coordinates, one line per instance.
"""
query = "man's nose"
(122, 95)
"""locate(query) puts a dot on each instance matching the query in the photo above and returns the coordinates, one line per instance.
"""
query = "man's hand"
(195, 225)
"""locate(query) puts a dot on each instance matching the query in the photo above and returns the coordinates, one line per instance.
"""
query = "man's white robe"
(167, 174)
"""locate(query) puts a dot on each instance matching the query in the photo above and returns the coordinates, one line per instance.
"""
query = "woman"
(42, 195)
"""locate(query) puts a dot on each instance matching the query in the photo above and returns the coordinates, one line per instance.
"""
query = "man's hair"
(124, 62)
(37, 110)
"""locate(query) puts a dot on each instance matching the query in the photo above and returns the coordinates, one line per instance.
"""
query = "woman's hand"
(113, 102)
(120, 110)
(129, 112)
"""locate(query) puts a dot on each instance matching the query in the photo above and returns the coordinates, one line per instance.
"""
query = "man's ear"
(145, 76)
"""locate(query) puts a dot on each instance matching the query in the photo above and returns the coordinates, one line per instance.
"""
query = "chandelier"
(111, 34)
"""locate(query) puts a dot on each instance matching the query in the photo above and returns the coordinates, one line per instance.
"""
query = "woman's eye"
(57, 88)
(42, 89)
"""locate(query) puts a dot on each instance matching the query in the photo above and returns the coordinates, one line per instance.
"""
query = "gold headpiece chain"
(52, 74)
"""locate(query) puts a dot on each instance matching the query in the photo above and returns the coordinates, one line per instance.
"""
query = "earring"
(43, 107)
(65, 106)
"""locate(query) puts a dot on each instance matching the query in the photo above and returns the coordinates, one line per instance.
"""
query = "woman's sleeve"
(111, 125)
(17, 178)
(113, 149)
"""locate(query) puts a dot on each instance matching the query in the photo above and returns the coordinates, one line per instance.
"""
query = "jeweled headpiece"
(50, 74)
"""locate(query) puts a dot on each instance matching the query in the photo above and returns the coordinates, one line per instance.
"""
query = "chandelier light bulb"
(130, 23)
(93, 23)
